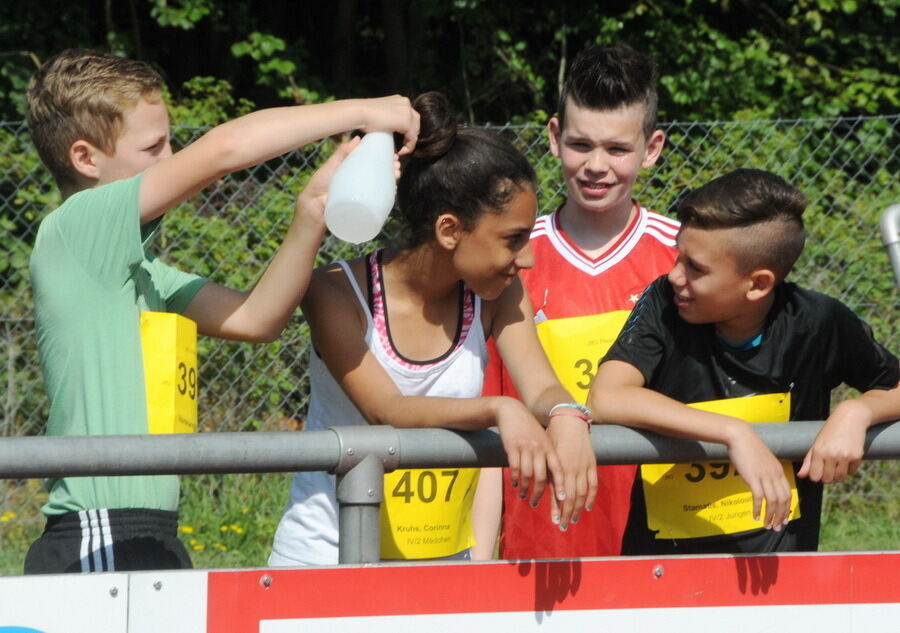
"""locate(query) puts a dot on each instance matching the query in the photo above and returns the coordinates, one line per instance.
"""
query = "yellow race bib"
(169, 345)
(710, 498)
(576, 345)
(427, 513)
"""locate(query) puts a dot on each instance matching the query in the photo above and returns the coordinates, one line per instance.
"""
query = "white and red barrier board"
(798, 592)
(821, 592)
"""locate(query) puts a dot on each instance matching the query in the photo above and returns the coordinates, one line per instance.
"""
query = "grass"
(860, 525)
(227, 521)
(863, 512)
(20, 521)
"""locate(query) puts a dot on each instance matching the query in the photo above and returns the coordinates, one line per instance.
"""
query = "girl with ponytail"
(399, 338)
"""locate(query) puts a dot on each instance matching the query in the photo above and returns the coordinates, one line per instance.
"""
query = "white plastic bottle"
(362, 190)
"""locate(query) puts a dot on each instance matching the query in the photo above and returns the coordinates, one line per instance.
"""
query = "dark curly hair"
(463, 171)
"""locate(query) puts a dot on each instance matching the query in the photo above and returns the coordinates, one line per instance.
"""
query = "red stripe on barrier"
(238, 601)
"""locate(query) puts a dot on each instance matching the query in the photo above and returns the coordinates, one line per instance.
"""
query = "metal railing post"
(366, 453)
(359, 494)
(890, 235)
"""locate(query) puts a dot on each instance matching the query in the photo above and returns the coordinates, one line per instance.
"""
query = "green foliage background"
(498, 60)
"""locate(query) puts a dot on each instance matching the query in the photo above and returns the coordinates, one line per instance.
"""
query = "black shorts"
(108, 540)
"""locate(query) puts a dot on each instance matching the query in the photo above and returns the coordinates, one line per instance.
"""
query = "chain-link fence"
(848, 167)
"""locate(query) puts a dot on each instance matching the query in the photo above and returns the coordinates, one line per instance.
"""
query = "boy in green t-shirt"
(101, 127)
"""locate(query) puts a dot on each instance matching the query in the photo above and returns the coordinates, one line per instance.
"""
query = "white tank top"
(308, 531)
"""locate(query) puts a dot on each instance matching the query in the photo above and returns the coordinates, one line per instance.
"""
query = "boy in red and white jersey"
(594, 256)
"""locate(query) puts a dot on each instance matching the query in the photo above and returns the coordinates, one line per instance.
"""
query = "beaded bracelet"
(571, 405)
(584, 414)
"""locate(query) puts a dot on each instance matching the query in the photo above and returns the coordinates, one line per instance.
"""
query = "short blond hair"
(84, 94)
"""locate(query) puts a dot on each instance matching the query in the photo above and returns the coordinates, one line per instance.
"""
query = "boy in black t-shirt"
(726, 334)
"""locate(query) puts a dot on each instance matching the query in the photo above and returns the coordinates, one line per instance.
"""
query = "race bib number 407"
(427, 513)
(710, 498)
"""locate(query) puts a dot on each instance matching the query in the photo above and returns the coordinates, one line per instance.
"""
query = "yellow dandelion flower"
(8, 516)
(223, 528)
(222, 547)
(187, 529)
(199, 547)
(236, 528)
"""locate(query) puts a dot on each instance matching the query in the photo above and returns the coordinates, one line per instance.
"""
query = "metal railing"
(360, 456)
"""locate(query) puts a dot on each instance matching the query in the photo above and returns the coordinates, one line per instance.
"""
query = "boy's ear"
(448, 230)
(81, 155)
(762, 283)
(554, 129)
(654, 148)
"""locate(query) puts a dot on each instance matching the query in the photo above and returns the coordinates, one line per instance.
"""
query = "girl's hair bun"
(437, 126)
(466, 171)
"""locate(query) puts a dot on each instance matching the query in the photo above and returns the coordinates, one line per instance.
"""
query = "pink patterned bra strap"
(379, 314)
(468, 315)
(376, 298)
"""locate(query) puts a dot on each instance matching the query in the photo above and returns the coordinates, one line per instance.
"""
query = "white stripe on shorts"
(96, 541)
(85, 540)
(107, 540)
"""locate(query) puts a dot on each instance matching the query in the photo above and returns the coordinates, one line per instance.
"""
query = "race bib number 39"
(427, 513)
(710, 498)
(169, 345)
(576, 345)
